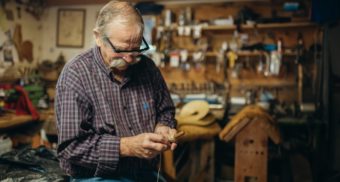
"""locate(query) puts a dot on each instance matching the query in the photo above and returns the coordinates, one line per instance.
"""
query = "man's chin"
(121, 68)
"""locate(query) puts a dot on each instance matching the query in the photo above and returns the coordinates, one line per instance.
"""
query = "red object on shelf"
(23, 106)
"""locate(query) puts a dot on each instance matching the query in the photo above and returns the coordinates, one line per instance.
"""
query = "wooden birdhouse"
(251, 128)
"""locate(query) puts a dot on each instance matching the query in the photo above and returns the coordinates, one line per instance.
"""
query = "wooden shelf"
(207, 28)
(211, 54)
(82, 2)
(271, 82)
(219, 27)
(260, 26)
(280, 25)
(73, 2)
(248, 53)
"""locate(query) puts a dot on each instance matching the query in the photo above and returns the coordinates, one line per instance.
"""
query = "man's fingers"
(155, 142)
(173, 146)
(155, 146)
(173, 131)
(156, 138)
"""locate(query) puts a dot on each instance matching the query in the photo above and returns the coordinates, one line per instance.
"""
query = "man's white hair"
(122, 12)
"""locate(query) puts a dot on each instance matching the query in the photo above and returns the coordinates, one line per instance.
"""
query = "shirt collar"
(100, 61)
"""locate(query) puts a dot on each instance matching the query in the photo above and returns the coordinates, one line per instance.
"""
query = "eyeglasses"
(144, 47)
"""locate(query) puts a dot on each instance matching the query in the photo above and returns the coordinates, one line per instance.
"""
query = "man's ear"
(97, 38)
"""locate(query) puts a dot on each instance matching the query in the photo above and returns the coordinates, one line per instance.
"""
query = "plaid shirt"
(93, 111)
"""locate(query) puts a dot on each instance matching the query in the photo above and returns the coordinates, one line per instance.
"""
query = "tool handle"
(175, 137)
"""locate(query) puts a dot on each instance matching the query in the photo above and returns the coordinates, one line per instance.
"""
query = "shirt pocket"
(147, 114)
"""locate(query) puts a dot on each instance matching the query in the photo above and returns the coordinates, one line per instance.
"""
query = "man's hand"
(168, 133)
(145, 145)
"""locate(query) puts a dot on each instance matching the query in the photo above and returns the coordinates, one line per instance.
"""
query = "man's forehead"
(125, 33)
(127, 38)
(122, 42)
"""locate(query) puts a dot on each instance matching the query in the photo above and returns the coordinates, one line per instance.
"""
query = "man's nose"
(129, 58)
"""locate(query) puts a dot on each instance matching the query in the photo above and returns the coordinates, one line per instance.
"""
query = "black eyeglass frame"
(129, 51)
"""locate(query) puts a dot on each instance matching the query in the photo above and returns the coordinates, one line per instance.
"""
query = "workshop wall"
(49, 21)
(42, 32)
(30, 27)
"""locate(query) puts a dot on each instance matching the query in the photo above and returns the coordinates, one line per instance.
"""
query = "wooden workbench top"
(11, 120)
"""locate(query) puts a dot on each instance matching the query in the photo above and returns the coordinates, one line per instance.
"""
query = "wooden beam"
(87, 2)
(74, 2)
(81, 2)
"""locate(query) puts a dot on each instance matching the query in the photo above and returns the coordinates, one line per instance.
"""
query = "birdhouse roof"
(244, 117)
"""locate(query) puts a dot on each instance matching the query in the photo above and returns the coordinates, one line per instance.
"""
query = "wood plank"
(251, 155)
(248, 53)
(300, 84)
(258, 81)
(234, 130)
(219, 27)
(280, 25)
(166, 2)
(74, 2)
(261, 26)
(11, 120)
(167, 164)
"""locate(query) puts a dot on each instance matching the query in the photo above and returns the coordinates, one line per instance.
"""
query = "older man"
(114, 112)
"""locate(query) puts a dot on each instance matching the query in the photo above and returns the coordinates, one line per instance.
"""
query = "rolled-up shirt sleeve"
(79, 143)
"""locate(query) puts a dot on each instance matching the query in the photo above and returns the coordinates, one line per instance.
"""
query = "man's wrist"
(162, 124)
(124, 148)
